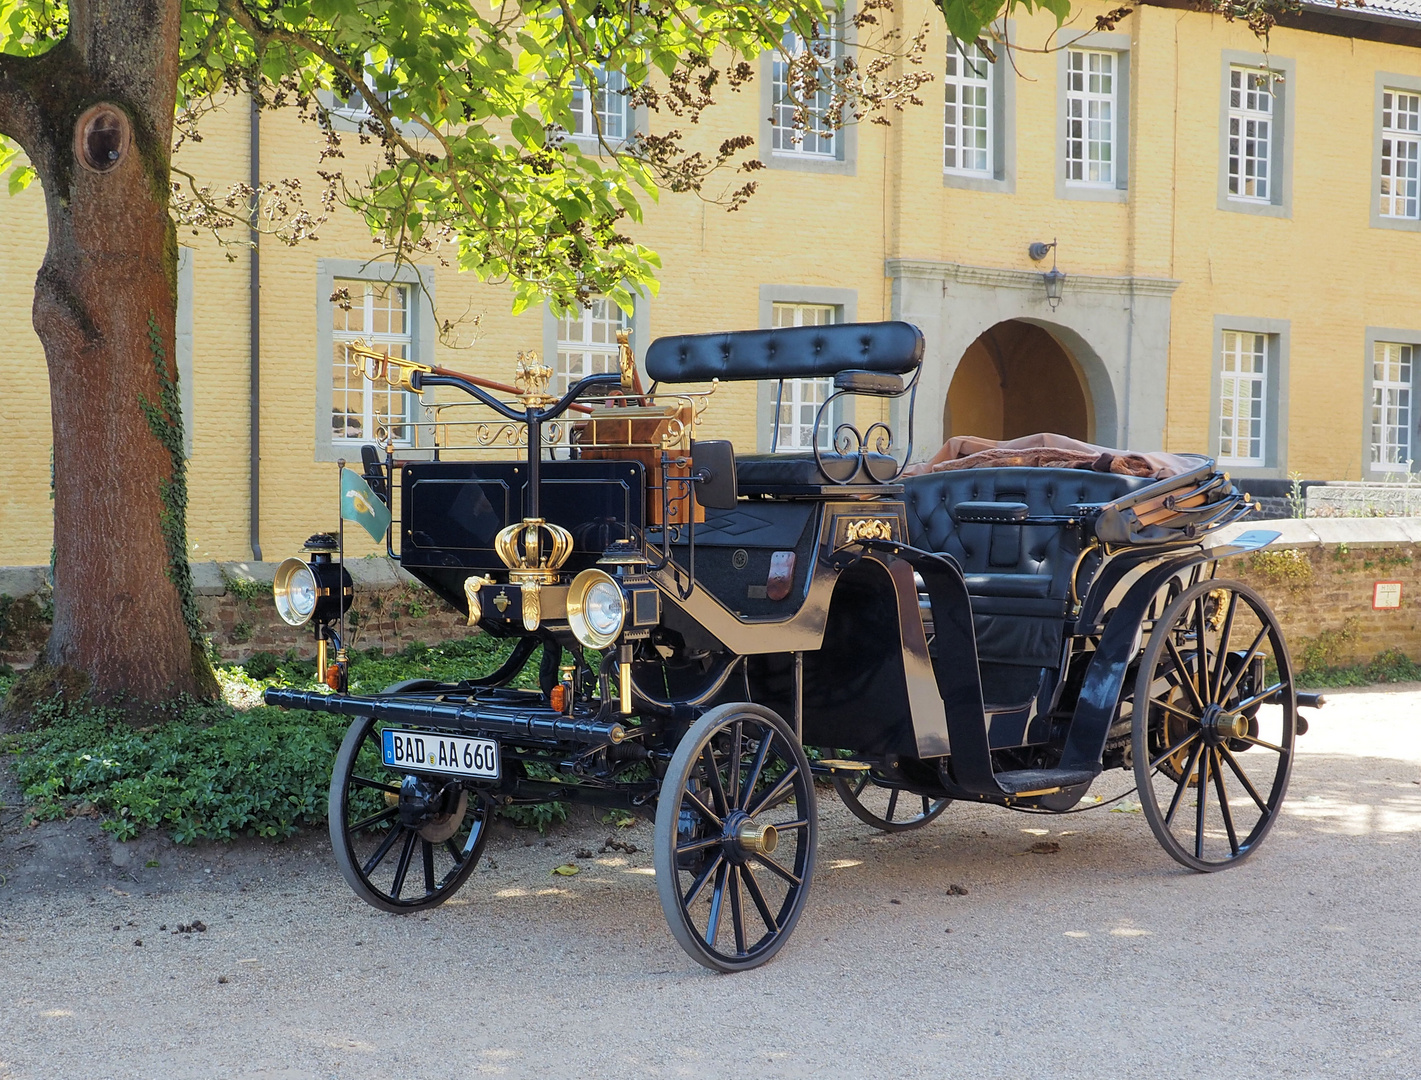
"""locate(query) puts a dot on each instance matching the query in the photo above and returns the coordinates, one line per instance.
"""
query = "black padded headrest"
(796, 352)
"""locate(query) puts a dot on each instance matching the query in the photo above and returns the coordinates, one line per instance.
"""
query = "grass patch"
(1391, 666)
(215, 772)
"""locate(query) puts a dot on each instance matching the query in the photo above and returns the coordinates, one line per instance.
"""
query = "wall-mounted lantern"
(1053, 279)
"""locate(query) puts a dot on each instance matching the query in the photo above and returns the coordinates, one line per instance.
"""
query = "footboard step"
(1023, 782)
(840, 765)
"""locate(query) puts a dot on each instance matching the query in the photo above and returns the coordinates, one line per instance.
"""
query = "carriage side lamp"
(1053, 279)
(320, 590)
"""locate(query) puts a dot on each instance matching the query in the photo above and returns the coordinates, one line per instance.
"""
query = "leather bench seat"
(1017, 575)
(767, 474)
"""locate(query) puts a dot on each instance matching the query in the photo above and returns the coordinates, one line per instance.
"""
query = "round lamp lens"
(303, 592)
(295, 591)
(605, 609)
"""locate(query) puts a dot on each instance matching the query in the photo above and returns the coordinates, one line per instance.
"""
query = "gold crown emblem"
(530, 565)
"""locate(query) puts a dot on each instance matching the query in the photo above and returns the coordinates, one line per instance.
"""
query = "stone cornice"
(997, 277)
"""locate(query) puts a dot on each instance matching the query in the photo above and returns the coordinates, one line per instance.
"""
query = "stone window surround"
(846, 300)
(1386, 80)
(1275, 424)
(639, 324)
(422, 337)
(1120, 45)
(845, 161)
(1280, 196)
(1003, 178)
(1374, 335)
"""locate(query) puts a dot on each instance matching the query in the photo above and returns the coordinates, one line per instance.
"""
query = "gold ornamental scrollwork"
(867, 529)
(472, 584)
(530, 564)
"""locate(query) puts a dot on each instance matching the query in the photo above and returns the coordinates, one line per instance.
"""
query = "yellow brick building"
(1238, 234)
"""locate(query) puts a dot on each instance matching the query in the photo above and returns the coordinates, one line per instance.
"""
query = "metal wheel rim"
(1195, 758)
(850, 789)
(762, 896)
(404, 871)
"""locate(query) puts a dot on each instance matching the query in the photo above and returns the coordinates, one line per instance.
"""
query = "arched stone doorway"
(1016, 379)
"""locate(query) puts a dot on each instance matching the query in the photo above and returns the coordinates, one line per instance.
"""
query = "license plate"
(429, 751)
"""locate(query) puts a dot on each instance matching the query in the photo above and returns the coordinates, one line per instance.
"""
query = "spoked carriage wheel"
(402, 842)
(1215, 720)
(887, 808)
(735, 834)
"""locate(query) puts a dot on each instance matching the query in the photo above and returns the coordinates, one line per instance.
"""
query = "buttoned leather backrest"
(795, 352)
(1007, 549)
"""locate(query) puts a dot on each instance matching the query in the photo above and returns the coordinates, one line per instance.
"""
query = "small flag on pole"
(362, 506)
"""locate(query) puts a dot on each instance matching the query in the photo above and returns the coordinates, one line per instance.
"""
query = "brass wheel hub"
(1222, 724)
(755, 838)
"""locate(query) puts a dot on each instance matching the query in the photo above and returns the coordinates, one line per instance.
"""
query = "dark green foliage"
(1388, 667)
(215, 772)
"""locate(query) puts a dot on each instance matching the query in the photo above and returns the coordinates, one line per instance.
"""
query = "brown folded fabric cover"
(1046, 450)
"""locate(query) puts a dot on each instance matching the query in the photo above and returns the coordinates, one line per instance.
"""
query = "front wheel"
(1215, 721)
(402, 842)
(735, 828)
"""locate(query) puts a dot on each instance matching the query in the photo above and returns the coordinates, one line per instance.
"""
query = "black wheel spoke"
(753, 888)
(776, 868)
(717, 789)
(375, 785)
(375, 819)
(1185, 679)
(785, 826)
(927, 806)
(733, 769)
(1247, 659)
(1193, 717)
(380, 852)
(699, 884)
(1260, 698)
(1183, 784)
(777, 794)
(1253, 741)
(1201, 647)
(454, 850)
(892, 804)
(761, 755)
(1199, 808)
(1243, 779)
(737, 914)
(698, 845)
(1221, 661)
(701, 808)
(428, 854)
(717, 904)
(1176, 748)
(403, 866)
(1224, 806)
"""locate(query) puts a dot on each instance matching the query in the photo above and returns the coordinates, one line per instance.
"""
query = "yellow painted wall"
(1324, 268)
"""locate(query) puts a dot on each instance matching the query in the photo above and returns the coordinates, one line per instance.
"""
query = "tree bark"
(105, 306)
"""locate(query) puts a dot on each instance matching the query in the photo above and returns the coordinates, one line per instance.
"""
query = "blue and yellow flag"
(361, 505)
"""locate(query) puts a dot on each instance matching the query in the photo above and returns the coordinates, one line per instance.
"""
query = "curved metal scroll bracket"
(861, 453)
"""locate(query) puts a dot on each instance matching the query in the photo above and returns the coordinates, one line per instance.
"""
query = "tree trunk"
(105, 307)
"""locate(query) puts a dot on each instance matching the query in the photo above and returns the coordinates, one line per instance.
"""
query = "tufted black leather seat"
(769, 474)
(1017, 575)
(797, 352)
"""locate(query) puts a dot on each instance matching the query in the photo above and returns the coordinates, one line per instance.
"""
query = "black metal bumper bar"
(506, 721)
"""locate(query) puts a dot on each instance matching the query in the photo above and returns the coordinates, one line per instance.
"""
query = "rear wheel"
(1215, 722)
(735, 834)
(403, 842)
(891, 809)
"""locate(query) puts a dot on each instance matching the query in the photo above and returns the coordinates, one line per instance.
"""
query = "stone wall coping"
(1328, 532)
(210, 578)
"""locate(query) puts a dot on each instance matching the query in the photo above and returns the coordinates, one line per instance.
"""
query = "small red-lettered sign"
(1386, 594)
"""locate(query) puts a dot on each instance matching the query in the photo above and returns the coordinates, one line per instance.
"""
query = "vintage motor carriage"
(718, 633)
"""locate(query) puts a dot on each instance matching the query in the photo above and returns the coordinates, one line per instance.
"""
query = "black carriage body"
(976, 633)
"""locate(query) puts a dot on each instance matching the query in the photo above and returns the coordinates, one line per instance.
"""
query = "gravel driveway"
(1101, 960)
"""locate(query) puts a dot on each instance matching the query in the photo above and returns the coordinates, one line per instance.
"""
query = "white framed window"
(1092, 117)
(1401, 154)
(967, 136)
(587, 343)
(817, 139)
(1391, 406)
(1243, 398)
(1251, 134)
(801, 398)
(355, 108)
(376, 314)
(604, 110)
